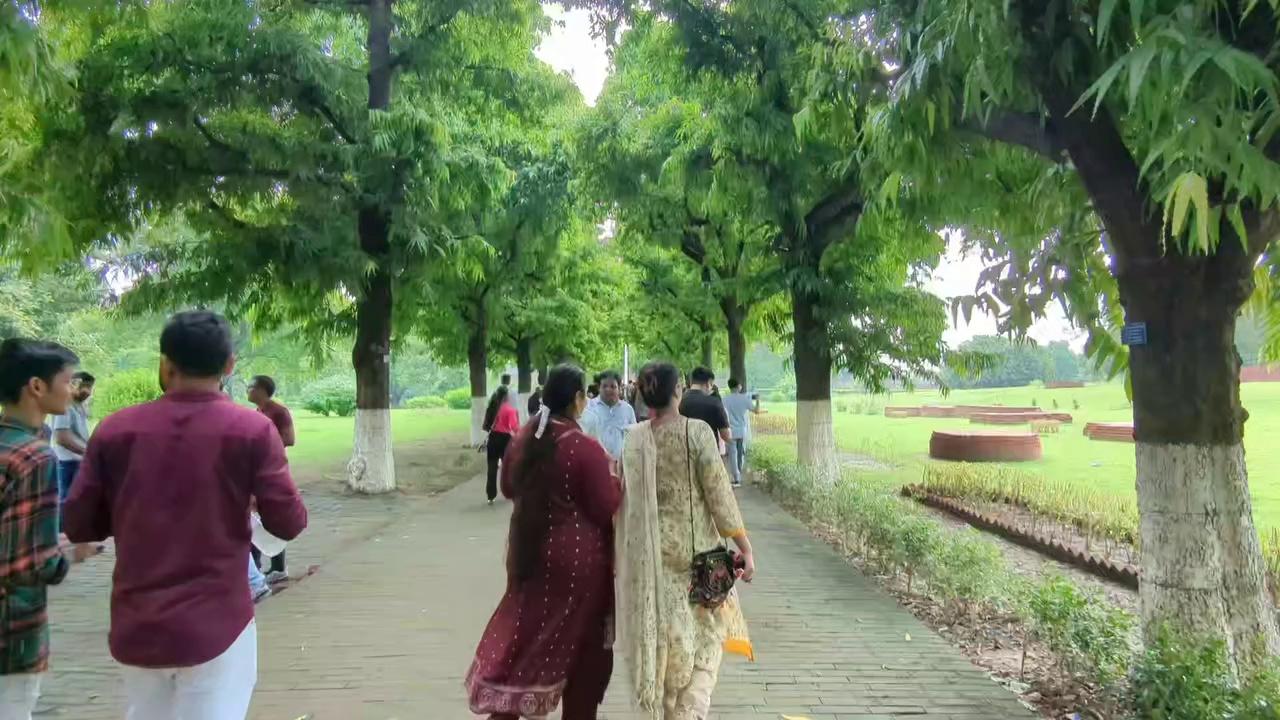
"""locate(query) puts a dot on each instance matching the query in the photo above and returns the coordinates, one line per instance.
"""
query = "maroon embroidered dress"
(547, 638)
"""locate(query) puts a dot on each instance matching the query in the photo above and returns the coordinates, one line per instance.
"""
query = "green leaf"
(1100, 87)
(1190, 188)
(889, 190)
(931, 114)
(1104, 18)
(1237, 223)
(1138, 64)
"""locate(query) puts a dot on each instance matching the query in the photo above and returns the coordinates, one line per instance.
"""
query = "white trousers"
(18, 695)
(217, 690)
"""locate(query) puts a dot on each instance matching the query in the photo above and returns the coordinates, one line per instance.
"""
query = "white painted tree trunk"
(1201, 562)
(478, 406)
(372, 468)
(522, 406)
(816, 440)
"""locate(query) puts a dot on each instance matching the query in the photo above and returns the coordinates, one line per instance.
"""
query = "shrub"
(334, 395)
(126, 389)
(842, 406)
(1182, 678)
(425, 402)
(459, 399)
(1089, 635)
(774, 424)
(967, 569)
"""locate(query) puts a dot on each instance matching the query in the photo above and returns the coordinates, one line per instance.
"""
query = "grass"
(1068, 456)
(326, 441)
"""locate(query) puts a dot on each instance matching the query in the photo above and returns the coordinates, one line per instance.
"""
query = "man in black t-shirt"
(699, 404)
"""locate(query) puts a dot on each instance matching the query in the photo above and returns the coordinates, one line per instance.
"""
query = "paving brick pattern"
(385, 630)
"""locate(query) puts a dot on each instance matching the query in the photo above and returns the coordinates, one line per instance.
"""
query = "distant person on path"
(172, 480)
(35, 381)
(637, 403)
(502, 421)
(607, 417)
(739, 406)
(547, 638)
(699, 404)
(262, 393)
(535, 401)
(678, 503)
(71, 432)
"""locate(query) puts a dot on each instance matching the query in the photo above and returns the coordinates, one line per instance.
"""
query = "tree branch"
(1026, 130)
(834, 212)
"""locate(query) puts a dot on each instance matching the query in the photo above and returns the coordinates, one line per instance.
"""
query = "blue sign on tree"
(1134, 334)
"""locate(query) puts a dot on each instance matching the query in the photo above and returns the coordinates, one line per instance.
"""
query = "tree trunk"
(478, 365)
(1202, 565)
(708, 355)
(524, 376)
(815, 437)
(372, 465)
(735, 317)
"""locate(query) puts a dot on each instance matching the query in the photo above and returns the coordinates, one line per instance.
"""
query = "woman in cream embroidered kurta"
(673, 650)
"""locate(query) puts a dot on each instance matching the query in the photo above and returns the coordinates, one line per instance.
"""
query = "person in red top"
(502, 421)
(262, 392)
(172, 481)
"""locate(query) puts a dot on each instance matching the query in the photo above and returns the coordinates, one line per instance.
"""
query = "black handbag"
(712, 572)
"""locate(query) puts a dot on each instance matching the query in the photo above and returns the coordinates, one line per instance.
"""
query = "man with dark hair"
(71, 432)
(262, 392)
(739, 406)
(606, 418)
(35, 381)
(699, 404)
(173, 481)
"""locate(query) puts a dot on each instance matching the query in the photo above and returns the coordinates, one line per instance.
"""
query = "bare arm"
(68, 440)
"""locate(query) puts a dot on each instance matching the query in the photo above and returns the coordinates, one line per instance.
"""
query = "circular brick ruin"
(984, 446)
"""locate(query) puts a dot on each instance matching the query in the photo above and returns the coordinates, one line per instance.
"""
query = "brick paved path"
(386, 629)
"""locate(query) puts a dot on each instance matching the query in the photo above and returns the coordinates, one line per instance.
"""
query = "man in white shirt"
(607, 416)
(71, 432)
(739, 406)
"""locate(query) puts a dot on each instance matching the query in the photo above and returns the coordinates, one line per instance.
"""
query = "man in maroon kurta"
(172, 480)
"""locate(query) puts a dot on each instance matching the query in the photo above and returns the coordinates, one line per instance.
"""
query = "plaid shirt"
(29, 554)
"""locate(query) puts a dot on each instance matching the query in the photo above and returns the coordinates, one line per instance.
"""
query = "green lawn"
(1109, 467)
(326, 441)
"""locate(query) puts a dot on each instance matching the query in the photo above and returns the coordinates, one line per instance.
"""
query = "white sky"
(570, 48)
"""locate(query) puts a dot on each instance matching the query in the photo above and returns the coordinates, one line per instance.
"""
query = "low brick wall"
(985, 446)
(1017, 418)
(901, 412)
(1114, 432)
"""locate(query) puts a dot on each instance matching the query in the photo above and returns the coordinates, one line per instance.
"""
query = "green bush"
(1181, 678)
(123, 390)
(843, 406)
(459, 399)
(334, 395)
(1089, 634)
(425, 402)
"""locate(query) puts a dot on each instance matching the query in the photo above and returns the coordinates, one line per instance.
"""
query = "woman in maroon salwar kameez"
(548, 639)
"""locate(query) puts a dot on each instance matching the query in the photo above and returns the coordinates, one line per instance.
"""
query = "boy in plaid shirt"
(35, 381)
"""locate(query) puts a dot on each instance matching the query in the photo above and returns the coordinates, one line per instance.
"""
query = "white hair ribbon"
(544, 414)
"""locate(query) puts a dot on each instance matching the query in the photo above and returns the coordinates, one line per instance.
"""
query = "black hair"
(498, 397)
(197, 342)
(506, 378)
(733, 383)
(613, 375)
(84, 378)
(22, 359)
(658, 382)
(529, 521)
(266, 383)
(701, 376)
(593, 389)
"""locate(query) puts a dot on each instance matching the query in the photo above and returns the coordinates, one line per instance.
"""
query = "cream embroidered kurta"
(666, 641)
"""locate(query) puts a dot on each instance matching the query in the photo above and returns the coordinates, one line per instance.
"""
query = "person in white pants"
(182, 619)
(217, 690)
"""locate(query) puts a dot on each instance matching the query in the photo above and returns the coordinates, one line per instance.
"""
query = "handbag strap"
(688, 456)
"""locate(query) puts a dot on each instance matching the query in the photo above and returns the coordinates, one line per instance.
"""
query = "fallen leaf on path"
(793, 717)
(908, 637)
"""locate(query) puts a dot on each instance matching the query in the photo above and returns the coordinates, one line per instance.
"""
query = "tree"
(652, 151)
(795, 154)
(1130, 107)
(516, 236)
(315, 151)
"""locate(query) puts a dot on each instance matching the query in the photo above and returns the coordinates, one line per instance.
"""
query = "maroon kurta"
(547, 637)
